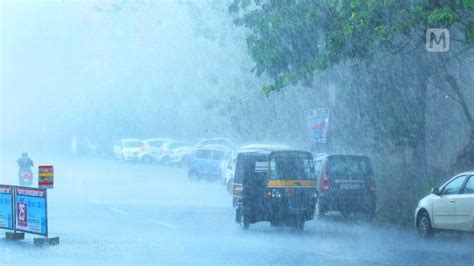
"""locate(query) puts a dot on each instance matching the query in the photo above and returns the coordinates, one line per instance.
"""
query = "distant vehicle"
(216, 141)
(151, 150)
(128, 149)
(181, 155)
(346, 184)
(167, 148)
(207, 162)
(448, 208)
(229, 172)
(274, 185)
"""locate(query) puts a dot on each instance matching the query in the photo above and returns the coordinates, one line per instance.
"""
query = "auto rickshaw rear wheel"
(243, 221)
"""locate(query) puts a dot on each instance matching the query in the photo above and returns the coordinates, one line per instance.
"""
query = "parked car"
(229, 172)
(207, 162)
(166, 149)
(151, 150)
(346, 183)
(448, 208)
(216, 141)
(181, 155)
(128, 149)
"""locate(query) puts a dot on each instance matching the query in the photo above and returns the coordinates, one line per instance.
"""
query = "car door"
(464, 220)
(444, 205)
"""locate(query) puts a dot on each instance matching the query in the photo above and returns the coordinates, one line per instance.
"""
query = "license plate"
(349, 186)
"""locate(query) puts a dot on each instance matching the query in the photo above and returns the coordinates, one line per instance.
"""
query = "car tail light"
(372, 184)
(324, 183)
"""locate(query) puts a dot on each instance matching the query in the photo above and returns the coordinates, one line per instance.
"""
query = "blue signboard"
(31, 211)
(6, 207)
(317, 121)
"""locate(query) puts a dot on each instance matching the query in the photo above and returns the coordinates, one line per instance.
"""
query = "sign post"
(45, 177)
(7, 213)
(317, 121)
(31, 215)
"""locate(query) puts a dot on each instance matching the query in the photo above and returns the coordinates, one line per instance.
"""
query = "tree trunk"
(465, 159)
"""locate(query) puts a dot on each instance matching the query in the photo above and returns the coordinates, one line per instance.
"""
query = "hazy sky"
(61, 59)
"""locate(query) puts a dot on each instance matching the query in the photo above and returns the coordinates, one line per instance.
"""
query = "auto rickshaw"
(274, 185)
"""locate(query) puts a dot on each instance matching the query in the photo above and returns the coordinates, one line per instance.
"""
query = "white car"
(167, 148)
(229, 173)
(181, 155)
(151, 150)
(128, 149)
(450, 207)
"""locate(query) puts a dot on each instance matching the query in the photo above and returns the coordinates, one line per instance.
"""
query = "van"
(346, 183)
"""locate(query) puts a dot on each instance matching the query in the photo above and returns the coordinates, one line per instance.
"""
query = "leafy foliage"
(291, 40)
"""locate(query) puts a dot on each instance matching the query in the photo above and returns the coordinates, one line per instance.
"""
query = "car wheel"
(230, 186)
(184, 161)
(319, 210)
(147, 159)
(243, 220)
(194, 177)
(299, 224)
(424, 226)
(345, 212)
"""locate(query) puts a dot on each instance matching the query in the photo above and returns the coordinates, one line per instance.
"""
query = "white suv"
(450, 207)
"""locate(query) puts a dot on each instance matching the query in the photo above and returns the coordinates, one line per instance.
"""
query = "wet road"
(109, 212)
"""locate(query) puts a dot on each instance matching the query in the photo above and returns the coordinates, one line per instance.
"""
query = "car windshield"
(291, 168)
(132, 144)
(357, 166)
(219, 155)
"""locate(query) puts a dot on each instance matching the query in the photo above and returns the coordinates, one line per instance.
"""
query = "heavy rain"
(237, 132)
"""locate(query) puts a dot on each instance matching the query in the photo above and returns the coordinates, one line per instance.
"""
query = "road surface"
(110, 212)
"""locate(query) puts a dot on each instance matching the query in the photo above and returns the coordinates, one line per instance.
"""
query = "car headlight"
(276, 194)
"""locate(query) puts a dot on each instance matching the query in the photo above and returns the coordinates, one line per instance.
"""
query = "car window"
(454, 187)
(317, 166)
(218, 155)
(132, 144)
(469, 189)
(177, 145)
(155, 143)
(356, 166)
(204, 154)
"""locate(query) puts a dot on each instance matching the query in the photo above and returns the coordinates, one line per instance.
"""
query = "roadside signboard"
(317, 121)
(6, 207)
(31, 210)
(45, 177)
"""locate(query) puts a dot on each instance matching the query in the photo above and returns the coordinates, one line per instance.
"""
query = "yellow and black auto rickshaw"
(275, 185)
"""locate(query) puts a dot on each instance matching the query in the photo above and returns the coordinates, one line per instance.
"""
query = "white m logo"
(437, 40)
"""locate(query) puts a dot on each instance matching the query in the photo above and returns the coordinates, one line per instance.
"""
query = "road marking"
(353, 259)
(118, 211)
(161, 223)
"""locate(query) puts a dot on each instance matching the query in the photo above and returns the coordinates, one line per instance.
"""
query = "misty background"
(181, 69)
